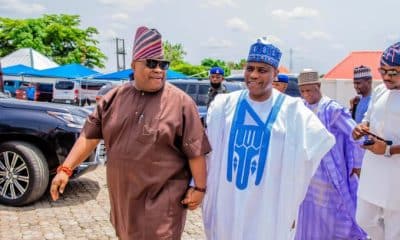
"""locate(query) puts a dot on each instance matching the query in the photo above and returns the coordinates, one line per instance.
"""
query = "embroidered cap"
(217, 70)
(147, 44)
(282, 78)
(391, 56)
(362, 72)
(308, 76)
(264, 52)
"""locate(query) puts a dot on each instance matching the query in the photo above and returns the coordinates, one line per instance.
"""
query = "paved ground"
(82, 213)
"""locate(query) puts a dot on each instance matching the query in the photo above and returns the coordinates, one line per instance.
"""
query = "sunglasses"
(153, 63)
(390, 72)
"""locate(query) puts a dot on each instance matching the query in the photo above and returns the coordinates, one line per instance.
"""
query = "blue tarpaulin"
(18, 70)
(67, 71)
(124, 75)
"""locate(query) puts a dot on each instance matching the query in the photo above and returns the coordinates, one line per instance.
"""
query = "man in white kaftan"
(266, 147)
(378, 210)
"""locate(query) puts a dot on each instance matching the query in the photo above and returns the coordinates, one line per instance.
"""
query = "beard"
(215, 85)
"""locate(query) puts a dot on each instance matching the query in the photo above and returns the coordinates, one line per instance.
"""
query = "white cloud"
(120, 17)
(237, 24)
(21, 6)
(136, 4)
(108, 34)
(217, 43)
(315, 35)
(219, 3)
(295, 13)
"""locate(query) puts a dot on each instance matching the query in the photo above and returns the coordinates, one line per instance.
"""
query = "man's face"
(258, 78)
(280, 86)
(310, 93)
(362, 86)
(216, 78)
(148, 79)
(390, 76)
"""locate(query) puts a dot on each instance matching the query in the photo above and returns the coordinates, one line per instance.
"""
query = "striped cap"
(391, 56)
(147, 44)
(308, 76)
(362, 72)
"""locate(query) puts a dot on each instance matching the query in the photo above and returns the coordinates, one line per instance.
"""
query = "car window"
(92, 85)
(203, 89)
(45, 87)
(192, 89)
(9, 83)
(65, 85)
(182, 86)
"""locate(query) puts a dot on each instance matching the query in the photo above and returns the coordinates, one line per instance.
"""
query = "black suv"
(34, 139)
(198, 90)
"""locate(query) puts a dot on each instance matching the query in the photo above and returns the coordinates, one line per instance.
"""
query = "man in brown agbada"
(155, 142)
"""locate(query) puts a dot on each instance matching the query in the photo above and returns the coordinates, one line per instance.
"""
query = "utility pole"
(291, 60)
(120, 51)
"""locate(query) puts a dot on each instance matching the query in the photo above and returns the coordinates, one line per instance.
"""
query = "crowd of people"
(267, 165)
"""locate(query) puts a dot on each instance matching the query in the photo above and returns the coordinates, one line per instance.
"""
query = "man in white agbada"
(266, 147)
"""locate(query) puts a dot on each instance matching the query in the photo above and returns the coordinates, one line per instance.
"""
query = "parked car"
(11, 86)
(20, 93)
(76, 92)
(198, 90)
(292, 89)
(42, 92)
(35, 138)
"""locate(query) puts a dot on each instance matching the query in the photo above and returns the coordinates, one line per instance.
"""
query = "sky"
(319, 33)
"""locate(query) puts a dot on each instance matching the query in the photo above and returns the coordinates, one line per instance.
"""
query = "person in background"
(281, 82)
(378, 210)
(363, 86)
(155, 143)
(216, 76)
(266, 147)
(331, 198)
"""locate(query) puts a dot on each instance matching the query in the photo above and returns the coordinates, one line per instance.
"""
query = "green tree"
(209, 63)
(174, 53)
(56, 36)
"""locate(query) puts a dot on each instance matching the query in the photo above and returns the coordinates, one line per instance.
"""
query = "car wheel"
(24, 174)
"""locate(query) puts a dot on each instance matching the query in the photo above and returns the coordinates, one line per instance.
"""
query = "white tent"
(28, 57)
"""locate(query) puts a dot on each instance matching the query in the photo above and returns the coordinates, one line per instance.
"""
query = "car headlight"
(71, 120)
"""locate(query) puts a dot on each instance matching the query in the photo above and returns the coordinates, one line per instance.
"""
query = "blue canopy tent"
(70, 71)
(124, 75)
(19, 70)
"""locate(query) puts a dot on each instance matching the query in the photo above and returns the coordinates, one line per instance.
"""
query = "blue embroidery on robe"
(248, 144)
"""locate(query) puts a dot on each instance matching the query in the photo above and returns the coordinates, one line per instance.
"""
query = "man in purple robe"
(328, 210)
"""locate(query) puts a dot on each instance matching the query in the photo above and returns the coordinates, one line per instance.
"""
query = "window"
(9, 83)
(92, 85)
(182, 86)
(45, 87)
(65, 85)
(192, 89)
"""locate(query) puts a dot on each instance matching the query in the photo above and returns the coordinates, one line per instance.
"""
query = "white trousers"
(378, 222)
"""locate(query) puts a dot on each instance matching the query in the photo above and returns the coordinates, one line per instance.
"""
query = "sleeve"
(92, 129)
(316, 139)
(194, 140)
(345, 124)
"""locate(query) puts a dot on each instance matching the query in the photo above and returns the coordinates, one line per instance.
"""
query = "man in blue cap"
(363, 85)
(281, 82)
(378, 210)
(216, 76)
(266, 147)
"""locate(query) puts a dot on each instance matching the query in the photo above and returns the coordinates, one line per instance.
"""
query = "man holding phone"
(378, 194)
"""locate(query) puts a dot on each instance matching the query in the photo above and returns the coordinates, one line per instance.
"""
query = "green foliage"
(191, 70)
(174, 53)
(209, 63)
(56, 36)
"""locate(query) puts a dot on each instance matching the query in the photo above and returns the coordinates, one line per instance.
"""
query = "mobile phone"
(368, 142)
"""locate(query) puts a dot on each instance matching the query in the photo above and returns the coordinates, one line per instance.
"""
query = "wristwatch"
(387, 150)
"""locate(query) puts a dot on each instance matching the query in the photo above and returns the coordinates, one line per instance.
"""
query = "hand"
(58, 185)
(378, 147)
(356, 171)
(193, 198)
(359, 131)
